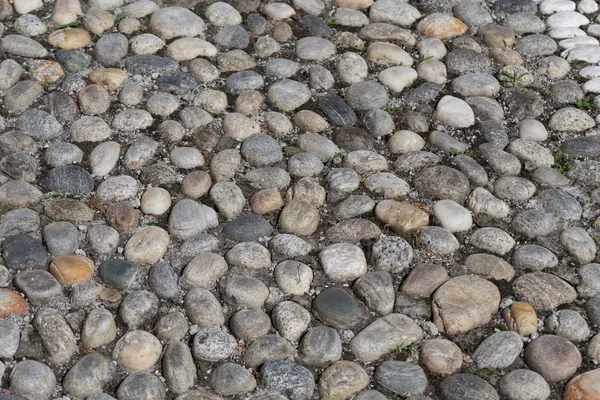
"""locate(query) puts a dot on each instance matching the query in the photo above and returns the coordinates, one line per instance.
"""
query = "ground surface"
(314, 199)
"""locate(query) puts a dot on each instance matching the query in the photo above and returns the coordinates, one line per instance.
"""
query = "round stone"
(137, 351)
(553, 357)
(441, 356)
(343, 262)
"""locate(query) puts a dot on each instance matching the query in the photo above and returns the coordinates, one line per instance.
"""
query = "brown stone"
(441, 26)
(122, 216)
(356, 4)
(69, 38)
(553, 357)
(353, 230)
(489, 267)
(108, 78)
(464, 303)
(69, 210)
(342, 379)
(265, 201)
(441, 356)
(423, 280)
(543, 291)
(72, 269)
(299, 218)
(584, 387)
(520, 317)
(12, 303)
(401, 217)
(45, 72)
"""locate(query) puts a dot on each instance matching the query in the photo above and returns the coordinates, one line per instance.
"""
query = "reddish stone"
(12, 303)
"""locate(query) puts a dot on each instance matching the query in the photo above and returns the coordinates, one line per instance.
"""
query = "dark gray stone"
(118, 272)
(423, 94)
(146, 64)
(70, 179)
(536, 45)
(137, 308)
(244, 80)
(561, 204)
(88, 376)
(335, 307)
(72, 60)
(523, 103)
(178, 84)
(494, 132)
(22, 252)
(256, 23)
(336, 111)
(467, 387)
(247, 228)
(163, 281)
(39, 286)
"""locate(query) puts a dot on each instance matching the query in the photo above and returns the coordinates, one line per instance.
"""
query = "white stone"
(587, 6)
(566, 19)
(397, 78)
(586, 53)
(548, 7)
(27, 6)
(137, 351)
(66, 11)
(565, 33)
(155, 201)
(397, 12)
(147, 245)
(405, 141)
(532, 130)
(594, 30)
(452, 216)
(146, 43)
(352, 68)
(578, 41)
(104, 158)
(312, 7)
(189, 48)
(432, 71)
(454, 112)
(591, 72)
(222, 14)
(277, 11)
(432, 47)
(592, 86)
(343, 262)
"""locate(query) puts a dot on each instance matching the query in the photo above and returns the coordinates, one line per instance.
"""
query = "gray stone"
(443, 183)
(366, 95)
(524, 384)
(467, 387)
(536, 45)
(320, 346)
(533, 257)
(32, 379)
(137, 308)
(178, 367)
(88, 376)
(232, 379)
(402, 378)
(544, 292)
(61, 238)
(568, 324)
(111, 49)
(293, 380)
(141, 385)
(336, 110)
(163, 281)
(498, 351)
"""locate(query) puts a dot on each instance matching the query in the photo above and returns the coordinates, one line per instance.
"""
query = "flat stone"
(337, 308)
(543, 291)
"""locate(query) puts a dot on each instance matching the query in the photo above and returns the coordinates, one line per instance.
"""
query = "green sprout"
(69, 25)
(55, 194)
(332, 22)
(583, 103)
(400, 348)
(506, 43)
(360, 47)
(514, 79)
(547, 91)
(142, 26)
(121, 16)
(149, 223)
(453, 152)
(468, 153)
(329, 161)
(392, 110)
(562, 162)
(423, 59)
